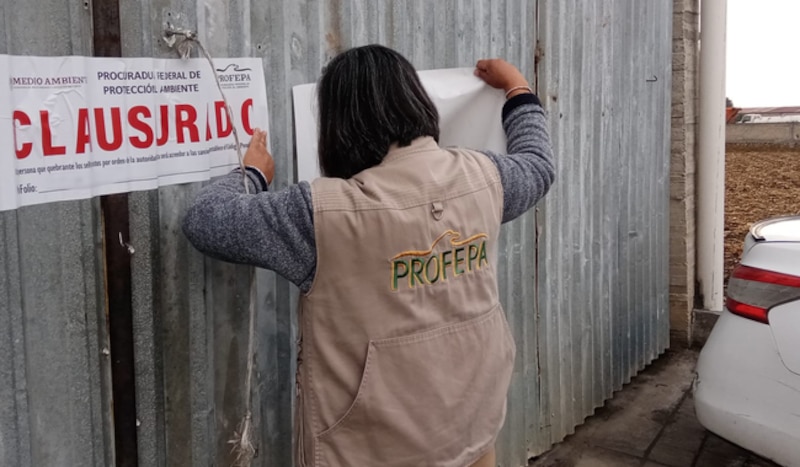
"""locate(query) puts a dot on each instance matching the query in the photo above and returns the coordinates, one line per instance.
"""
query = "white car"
(747, 388)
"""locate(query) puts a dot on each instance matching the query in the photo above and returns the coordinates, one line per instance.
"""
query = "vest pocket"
(433, 398)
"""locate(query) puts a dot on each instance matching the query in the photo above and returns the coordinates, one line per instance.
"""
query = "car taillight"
(752, 291)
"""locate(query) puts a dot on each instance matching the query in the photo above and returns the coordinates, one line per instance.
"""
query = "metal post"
(711, 154)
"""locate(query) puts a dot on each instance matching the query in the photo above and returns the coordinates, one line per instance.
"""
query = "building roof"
(770, 110)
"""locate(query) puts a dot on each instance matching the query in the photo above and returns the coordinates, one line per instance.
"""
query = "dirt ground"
(761, 182)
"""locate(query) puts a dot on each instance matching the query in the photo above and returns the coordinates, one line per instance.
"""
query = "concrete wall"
(685, 25)
(763, 133)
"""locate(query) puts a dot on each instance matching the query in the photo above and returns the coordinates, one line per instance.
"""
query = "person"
(405, 356)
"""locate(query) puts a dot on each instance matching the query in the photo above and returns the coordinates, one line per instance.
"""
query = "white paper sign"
(469, 115)
(77, 127)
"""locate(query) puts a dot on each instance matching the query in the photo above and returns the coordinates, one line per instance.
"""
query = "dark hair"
(369, 98)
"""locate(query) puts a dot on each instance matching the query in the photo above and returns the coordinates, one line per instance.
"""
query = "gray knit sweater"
(275, 229)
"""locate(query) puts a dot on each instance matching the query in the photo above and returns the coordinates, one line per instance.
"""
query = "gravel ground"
(760, 182)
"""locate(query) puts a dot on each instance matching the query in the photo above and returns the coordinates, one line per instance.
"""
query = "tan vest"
(406, 356)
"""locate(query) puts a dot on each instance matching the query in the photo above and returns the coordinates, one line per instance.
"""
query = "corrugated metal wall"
(604, 311)
(54, 406)
(601, 311)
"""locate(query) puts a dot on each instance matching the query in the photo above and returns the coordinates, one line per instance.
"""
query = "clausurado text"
(143, 127)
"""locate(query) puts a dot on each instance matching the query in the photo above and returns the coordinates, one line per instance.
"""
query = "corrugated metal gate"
(595, 314)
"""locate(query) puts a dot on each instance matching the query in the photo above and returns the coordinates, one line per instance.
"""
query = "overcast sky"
(763, 59)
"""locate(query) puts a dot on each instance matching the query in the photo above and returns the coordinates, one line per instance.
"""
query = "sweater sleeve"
(528, 170)
(271, 230)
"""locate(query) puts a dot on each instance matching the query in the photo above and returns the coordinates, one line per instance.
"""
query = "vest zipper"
(299, 422)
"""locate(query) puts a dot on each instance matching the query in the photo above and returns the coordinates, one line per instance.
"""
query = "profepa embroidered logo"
(419, 268)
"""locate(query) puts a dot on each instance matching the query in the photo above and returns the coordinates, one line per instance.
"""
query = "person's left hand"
(257, 155)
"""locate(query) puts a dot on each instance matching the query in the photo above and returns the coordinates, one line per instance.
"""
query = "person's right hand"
(500, 74)
(257, 155)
